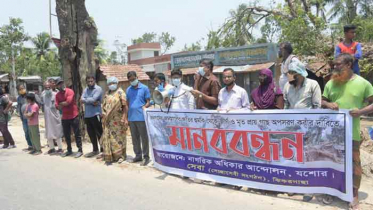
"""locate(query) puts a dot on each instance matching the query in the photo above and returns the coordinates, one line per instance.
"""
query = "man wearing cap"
(301, 93)
(65, 101)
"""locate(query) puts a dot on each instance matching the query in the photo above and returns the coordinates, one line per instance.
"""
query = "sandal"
(327, 199)
(121, 160)
(354, 205)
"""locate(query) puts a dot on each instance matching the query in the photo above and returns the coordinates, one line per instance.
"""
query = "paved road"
(54, 183)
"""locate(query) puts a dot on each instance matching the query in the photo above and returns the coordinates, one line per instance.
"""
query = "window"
(156, 53)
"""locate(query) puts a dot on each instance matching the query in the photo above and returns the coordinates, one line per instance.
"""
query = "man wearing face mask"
(232, 97)
(182, 99)
(138, 99)
(162, 85)
(65, 101)
(53, 124)
(21, 107)
(206, 87)
(347, 90)
(285, 53)
(92, 99)
(300, 92)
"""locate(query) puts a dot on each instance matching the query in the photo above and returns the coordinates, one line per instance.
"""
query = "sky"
(187, 20)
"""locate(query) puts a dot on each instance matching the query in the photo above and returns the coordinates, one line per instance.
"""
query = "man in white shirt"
(232, 97)
(182, 98)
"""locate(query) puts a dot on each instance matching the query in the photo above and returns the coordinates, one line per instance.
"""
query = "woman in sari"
(267, 95)
(115, 124)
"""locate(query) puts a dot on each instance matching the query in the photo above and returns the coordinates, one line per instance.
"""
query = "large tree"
(78, 33)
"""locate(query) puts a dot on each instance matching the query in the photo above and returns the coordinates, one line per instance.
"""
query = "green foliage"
(365, 28)
(145, 38)
(113, 58)
(193, 47)
(40, 60)
(101, 53)
(165, 39)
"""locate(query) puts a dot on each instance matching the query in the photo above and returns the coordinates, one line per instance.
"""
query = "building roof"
(4, 78)
(120, 72)
(144, 46)
(237, 69)
(32, 79)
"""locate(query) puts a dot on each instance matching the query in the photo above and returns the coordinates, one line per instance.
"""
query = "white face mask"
(176, 82)
(135, 82)
(113, 87)
(201, 71)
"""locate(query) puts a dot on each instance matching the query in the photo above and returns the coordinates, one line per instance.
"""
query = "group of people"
(107, 117)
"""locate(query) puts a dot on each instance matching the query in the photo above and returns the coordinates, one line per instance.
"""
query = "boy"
(32, 115)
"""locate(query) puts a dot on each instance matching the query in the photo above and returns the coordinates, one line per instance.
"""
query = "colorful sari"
(114, 137)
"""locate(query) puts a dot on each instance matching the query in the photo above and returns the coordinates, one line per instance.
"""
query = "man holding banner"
(232, 97)
(301, 93)
(348, 90)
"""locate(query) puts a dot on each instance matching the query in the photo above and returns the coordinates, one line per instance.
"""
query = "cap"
(58, 81)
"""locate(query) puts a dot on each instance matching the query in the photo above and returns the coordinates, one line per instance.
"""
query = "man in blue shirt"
(138, 99)
(92, 98)
(350, 46)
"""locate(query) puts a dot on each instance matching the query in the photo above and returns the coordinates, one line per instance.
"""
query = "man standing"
(162, 85)
(53, 125)
(92, 99)
(232, 97)
(301, 93)
(206, 87)
(65, 101)
(286, 53)
(182, 99)
(348, 90)
(21, 106)
(351, 47)
(138, 99)
(5, 105)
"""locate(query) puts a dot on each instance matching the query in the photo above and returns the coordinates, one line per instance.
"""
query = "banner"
(297, 151)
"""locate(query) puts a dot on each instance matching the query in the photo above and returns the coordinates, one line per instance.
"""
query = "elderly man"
(206, 87)
(232, 97)
(53, 124)
(347, 90)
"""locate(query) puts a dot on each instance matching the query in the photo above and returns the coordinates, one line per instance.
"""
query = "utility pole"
(50, 18)
(14, 72)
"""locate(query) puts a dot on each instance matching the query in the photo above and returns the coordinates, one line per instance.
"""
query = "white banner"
(297, 151)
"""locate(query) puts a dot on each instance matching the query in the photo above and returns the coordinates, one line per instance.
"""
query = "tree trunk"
(78, 33)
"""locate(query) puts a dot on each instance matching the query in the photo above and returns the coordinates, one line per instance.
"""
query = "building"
(120, 72)
(32, 83)
(247, 61)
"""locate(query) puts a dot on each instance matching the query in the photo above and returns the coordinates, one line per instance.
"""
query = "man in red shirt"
(65, 101)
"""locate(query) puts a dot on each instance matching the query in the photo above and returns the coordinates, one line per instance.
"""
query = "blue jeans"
(26, 130)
